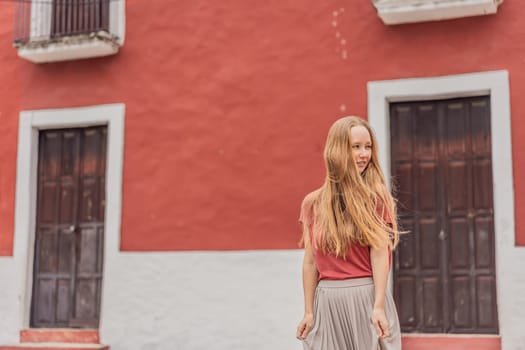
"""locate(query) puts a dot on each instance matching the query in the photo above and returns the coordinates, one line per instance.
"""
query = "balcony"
(410, 11)
(62, 30)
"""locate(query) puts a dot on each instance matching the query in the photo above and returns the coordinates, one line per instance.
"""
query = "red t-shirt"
(357, 263)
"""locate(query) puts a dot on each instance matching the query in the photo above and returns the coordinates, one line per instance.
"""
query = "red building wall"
(10, 92)
(228, 104)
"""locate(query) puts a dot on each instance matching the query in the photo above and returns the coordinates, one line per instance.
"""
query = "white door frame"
(30, 123)
(496, 85)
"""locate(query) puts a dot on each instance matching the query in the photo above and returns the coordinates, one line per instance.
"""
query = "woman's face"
(361, 146)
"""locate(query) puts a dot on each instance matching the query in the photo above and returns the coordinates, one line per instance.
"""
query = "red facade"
(228, 103)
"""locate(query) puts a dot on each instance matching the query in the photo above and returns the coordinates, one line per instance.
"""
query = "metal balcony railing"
(44, 21)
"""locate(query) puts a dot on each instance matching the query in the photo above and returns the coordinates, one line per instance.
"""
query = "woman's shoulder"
(307, 206)
(310, 198)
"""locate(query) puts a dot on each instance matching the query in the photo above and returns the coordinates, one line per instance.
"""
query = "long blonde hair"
(350, 206)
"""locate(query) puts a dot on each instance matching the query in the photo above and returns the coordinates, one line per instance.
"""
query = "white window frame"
(30, 123)
(71, 50)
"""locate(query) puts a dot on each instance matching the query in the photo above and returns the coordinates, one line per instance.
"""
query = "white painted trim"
(495, 84)
(60, 51)
(30, 123)
(410, 11)
(117, 19)
(40, 26)
(76, 46)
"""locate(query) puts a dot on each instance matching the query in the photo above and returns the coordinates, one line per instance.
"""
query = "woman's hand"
(305, 326)
(380, 323)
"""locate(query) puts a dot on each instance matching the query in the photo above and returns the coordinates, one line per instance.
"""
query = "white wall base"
(203, 300)
(188, 301)
(9, 302)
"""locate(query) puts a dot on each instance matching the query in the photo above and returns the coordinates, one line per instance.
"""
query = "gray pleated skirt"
(343, 310)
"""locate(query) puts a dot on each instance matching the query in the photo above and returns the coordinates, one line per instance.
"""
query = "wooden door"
(70, 228)
(444, 271)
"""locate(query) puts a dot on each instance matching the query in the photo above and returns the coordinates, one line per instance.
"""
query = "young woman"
(349, 230)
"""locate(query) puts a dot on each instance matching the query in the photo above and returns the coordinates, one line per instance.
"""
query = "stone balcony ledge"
(411, 11)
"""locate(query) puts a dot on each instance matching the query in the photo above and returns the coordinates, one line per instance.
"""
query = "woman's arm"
(310, 280)
(380, 265)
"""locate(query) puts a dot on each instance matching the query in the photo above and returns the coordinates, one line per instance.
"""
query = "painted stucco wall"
(226, 300)
(10, 75)
(227, 108)
(186, 301)
(228, 104)
(9, 302)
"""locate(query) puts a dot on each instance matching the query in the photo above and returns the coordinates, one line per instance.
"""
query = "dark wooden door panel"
(459, 244)
(457, 190)
(407, 295)
(484, 238)
(485, 302)
(426, 134)
(429, 231)
(407, 254)
(427, 191)
(461, 302)
(70, 228)
(432, 303)
(442, 168)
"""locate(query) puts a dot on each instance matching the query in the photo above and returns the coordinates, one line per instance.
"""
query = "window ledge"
(69, 48)
(410, 11)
